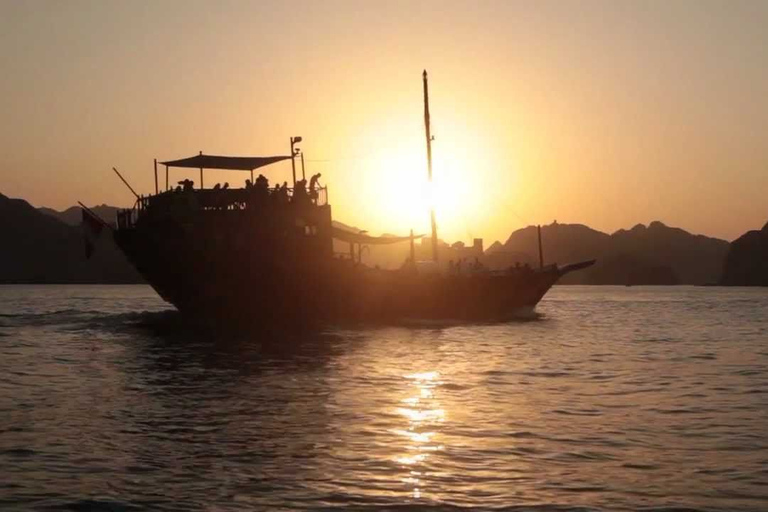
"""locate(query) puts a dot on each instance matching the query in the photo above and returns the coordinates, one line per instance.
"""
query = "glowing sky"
(603, 113)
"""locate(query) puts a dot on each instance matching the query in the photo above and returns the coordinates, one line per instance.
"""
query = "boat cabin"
(260, 210)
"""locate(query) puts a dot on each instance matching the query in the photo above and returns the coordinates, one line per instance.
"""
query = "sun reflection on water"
(423, 416)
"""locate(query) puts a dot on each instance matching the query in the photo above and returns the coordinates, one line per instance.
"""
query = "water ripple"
(609, 399)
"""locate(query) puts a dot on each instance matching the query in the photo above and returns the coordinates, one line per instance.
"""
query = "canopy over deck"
(360, 238)
(232, 163)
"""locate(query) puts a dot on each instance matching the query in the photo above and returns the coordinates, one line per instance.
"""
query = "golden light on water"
(420, 415)
(423, 414)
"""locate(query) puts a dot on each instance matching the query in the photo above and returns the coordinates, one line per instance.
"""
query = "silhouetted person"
(313, 185)
(226, 185)
(188, 185)
(283, 194)
(300, 196)
(260, 191)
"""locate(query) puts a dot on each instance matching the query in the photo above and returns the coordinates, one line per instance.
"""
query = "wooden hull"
(234, 283)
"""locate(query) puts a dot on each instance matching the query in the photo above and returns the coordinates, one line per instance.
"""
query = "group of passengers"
(462, 266)
(259, 192)
(303, 195)
(185, 186)
(255, 194)
(520, 269)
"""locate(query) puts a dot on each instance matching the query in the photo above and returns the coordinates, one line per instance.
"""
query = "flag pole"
(93, 214)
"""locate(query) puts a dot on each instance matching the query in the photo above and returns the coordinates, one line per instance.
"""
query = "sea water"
(611, 398)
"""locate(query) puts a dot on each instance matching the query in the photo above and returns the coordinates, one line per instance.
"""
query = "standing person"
(314, 184)
(282, 197)
(300, 192)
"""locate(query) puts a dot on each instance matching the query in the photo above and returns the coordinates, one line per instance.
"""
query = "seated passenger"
(188, 185)
(259, 192)
(262, 182)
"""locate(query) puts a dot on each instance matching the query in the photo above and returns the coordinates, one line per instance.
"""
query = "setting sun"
(395, 179)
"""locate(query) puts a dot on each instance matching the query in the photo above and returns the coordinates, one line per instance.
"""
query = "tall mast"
(429, 164)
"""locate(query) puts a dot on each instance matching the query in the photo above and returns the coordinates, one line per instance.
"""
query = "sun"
(404, 196)
(395, 191)
(453, 193)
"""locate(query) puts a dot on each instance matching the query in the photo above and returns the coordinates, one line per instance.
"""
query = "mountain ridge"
(38, 247)
(652, 254)
(747, 261)
(643, 254)
(72, 215)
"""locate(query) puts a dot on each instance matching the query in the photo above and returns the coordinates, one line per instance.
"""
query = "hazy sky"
(603, 113)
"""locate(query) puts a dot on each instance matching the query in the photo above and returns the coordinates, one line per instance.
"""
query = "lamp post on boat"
(294, 152)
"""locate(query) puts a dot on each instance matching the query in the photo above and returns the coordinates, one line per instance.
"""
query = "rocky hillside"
(40, 248)
(747, 261)
(653, 254)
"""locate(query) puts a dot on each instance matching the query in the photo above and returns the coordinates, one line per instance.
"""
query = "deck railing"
(211, 199)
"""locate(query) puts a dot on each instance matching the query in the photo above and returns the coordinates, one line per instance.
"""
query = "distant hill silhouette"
(73, 214)
(656, 254)
(562, 243)
(695, 259)
(45, 245)
(494, 248)
(39, 248)
(747, 261)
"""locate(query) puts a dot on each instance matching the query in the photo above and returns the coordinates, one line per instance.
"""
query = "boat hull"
(238, 285)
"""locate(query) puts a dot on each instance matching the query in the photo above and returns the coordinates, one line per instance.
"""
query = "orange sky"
(603, 113)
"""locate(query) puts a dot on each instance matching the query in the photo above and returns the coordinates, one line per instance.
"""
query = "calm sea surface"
(612, 399)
